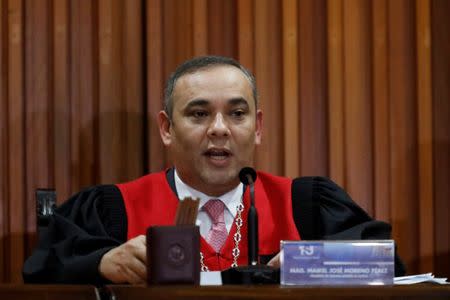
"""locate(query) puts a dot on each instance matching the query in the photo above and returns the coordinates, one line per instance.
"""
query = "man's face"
(215, 127)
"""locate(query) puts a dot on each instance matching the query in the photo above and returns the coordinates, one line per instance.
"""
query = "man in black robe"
(86, 239)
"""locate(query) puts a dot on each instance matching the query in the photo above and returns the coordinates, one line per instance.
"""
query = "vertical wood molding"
(336, 137)
(74, 95)
(184, 31)
(313, 88)
(87, 91)
(358, 102)
(61, 92)
(381, 125)
(403, 108)
(110, 91)
(200, 24)
(268, 73)
(222, 28)
(39, 134)
(425, 135)
(155, 82)
(4, 184)
(133, 93)
(440, 10)
(261, 71)
(245, 34)
(168, 30)
(16, 144)
(290, 88)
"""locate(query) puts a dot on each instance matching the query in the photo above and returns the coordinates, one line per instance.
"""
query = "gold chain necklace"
(237, 239)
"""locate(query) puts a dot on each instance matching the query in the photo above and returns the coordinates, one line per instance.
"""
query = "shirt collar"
(231, 199)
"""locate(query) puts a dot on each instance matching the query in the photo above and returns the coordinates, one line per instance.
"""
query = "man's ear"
(259, 125)
(164, 128)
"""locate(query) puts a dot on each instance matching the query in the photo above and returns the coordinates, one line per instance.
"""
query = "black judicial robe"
(94, 221)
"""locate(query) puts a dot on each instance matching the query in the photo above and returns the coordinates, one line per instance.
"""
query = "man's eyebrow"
(238, 101)
(197, 102)
(203, 102)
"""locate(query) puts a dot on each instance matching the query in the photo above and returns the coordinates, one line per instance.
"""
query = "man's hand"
(126, 263)
(275, 261)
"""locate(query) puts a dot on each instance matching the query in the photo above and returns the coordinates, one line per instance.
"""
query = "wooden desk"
(47, 292)
(83, 292)
(421, 291)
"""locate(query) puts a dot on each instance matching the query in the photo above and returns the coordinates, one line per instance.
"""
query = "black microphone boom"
(248, 176)
(254, 272)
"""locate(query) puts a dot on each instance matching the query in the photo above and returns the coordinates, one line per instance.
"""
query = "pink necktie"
(218, 232)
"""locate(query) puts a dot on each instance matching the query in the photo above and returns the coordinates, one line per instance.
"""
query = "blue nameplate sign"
(337, 262)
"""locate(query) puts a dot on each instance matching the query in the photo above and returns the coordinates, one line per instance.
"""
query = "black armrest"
(45, 205)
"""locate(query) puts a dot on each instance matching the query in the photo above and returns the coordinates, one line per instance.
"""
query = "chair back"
(45, 206)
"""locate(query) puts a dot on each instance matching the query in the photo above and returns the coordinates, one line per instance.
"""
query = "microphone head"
(245, 173)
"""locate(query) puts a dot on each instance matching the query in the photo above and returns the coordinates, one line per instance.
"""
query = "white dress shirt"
(230, 199)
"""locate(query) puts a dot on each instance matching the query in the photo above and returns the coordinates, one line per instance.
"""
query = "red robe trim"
(150, 201)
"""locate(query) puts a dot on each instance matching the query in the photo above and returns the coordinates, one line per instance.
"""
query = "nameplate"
(337, 262)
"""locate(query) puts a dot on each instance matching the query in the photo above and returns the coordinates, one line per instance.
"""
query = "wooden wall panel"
(425, 135)
(246, 34)
(440, 23)
(403, 134)
(155, 82)
(3, 138)
(312, 88)
(170, 26)
(200, 27)
(177, 33)
(17, 166)
(134, 91)
(183, 33)
(381, 125)
(221, 27)
(335, 54)
(61, 108)
(290, 88)
(86, 94)
(268, 75)
(357, 102)
(74, 77)
(354, 90)
(39, 136)
(111, 90)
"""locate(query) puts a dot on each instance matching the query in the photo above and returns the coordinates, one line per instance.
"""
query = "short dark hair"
(203, 62)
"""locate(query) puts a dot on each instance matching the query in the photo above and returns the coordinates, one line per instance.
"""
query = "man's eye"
(199, 114)
(238, 113)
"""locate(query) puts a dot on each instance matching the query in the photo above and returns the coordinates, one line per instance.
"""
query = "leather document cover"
(174, 254)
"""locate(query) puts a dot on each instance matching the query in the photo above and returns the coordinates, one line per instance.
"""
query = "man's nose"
(218, 126)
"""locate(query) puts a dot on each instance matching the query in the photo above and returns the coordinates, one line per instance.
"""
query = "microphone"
(248, 177)
(254, 273)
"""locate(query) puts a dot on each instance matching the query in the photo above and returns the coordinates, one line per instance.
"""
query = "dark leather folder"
(174, 254)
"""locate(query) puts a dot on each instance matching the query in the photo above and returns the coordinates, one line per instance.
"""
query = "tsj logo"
(306, 250)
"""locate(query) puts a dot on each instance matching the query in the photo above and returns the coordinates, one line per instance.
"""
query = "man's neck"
(213, 191)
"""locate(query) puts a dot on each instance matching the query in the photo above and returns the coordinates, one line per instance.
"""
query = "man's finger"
(275, 261)
(140, 250)
(133, 278)
(139, 268)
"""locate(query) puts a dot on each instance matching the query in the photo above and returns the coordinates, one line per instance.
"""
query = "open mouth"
(217, 154)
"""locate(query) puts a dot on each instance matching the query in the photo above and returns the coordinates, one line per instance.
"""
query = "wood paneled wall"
(355, 90)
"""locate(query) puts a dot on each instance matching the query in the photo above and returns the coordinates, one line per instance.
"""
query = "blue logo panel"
(337, 262)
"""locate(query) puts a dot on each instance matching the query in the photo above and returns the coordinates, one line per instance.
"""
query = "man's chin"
(221, 179)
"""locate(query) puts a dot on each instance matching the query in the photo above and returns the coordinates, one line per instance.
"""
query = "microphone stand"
(252, 220)
(254, 273)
